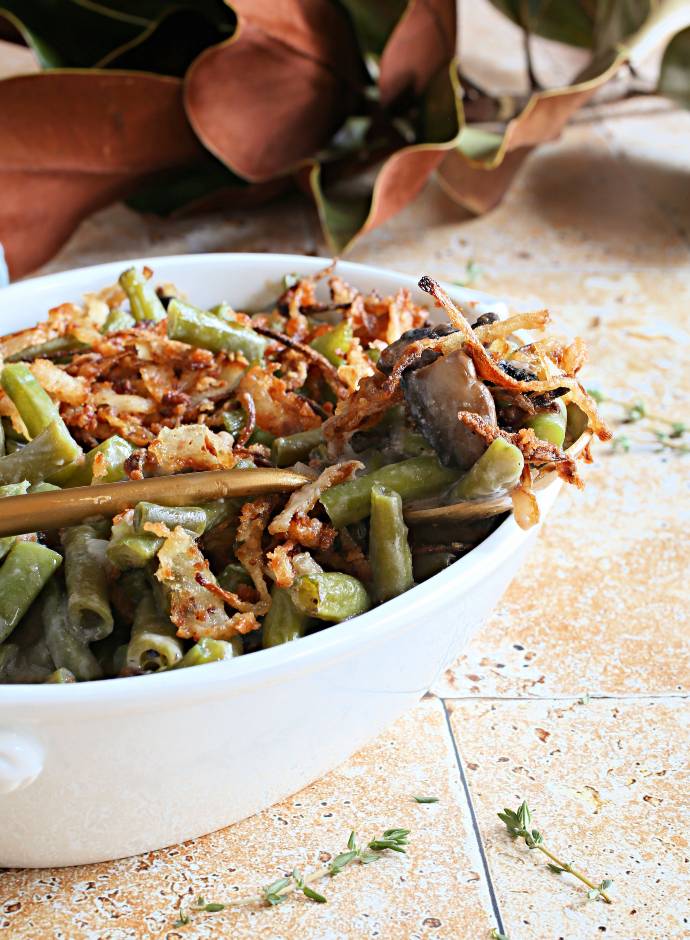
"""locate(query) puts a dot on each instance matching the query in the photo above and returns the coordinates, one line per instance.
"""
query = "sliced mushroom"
(392, 353)
(435, 393)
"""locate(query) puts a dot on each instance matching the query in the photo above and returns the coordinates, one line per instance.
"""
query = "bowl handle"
(21, 761)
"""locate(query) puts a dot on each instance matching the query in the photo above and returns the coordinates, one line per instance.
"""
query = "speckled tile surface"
(607, 783)
(597, 228)
(399, 897)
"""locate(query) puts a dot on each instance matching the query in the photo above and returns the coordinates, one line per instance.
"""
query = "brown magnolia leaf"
(421, 44)
(470, 174)
(75, 141)
(276, 91)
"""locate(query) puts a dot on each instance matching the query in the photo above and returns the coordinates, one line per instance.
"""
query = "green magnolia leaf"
(170, 44)
(674, 80)
(374, 22)
(568, 21)
(181, 186)
(70, 34)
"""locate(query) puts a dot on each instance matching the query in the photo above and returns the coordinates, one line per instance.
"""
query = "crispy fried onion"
(525, 505)
(277, 410)
(303, 500)
(252, 525)
(280, 566)
(194, 609)
(499, 329)
(313, 357)
(489, 370)
(59, 385)
(190, 447)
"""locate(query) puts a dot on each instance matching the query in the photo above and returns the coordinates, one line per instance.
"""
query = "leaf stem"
(574, 872)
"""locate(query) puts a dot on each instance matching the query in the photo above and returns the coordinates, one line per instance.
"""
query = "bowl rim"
(337, 641)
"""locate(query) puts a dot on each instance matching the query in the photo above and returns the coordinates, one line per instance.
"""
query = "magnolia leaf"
(275, 92)
(674, 80)
(345, 215)
(374, 22)
(169, 45)
(70, 34)
(568, 21)
(78, 141)
(420, 46)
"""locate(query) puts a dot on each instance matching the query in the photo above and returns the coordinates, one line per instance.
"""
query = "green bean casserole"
(379, 410)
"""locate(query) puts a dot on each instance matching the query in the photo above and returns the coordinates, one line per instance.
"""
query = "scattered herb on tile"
(584, 700)
(425, 799)
(666, 432)
(497, 935)
(518, 824)
(472, 272)
(278, 891)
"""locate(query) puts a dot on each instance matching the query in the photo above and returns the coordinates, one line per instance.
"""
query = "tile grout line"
(475, 825)
(592, 697)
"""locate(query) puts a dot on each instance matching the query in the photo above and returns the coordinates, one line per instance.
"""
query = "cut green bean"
(11, 489)
(220, 510)
(34, 404)
(330, 595)
(234, 421)
(335, 344)
(126, 549)
(43, 488)
(153, 645)
(192, 518)
(389, 552)
(577, 423)
(68, 648)
(61, 676)
(51, 349)
(144, 302)
(550, 425)
(286, 451)
(87, 585)
(47, 453)
(498, 468)
(283, 622)
(118, 320)
(210, 651)
(107, 459)
(416, 478)
(190, 325)
(232, 576)
(26, 569)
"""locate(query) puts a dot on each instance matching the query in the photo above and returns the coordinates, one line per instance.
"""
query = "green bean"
(224, 312)
(43, 488)
(26, 569)
(374, 353)
(153, 644)
(234, 421)
(12, 446)
(210, 651)
(126, 549)
(389, 552)
(61, 675)
(430, 563)
(67, 648)
(193, 326)
(17, 665)
(11, 489)
(335, 344)
(52, 348)
(288, 450)
(232, 576)
(118, 320)
(220, 510)
(283, 622)
(330, 595)
(498, 468)
(412, 479)
(144, 303)
(550, 425)
(87, 585)
(34, 404)
(108, 456)
(192, 518)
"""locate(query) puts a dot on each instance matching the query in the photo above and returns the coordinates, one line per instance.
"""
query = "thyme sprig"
(667, 432)
(518, 823)
(394, 840)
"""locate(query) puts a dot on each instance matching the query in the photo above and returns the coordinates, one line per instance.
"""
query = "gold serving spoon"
(470, 509)
(57, 508)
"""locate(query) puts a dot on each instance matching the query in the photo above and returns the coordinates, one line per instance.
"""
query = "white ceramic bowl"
(102, 770)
